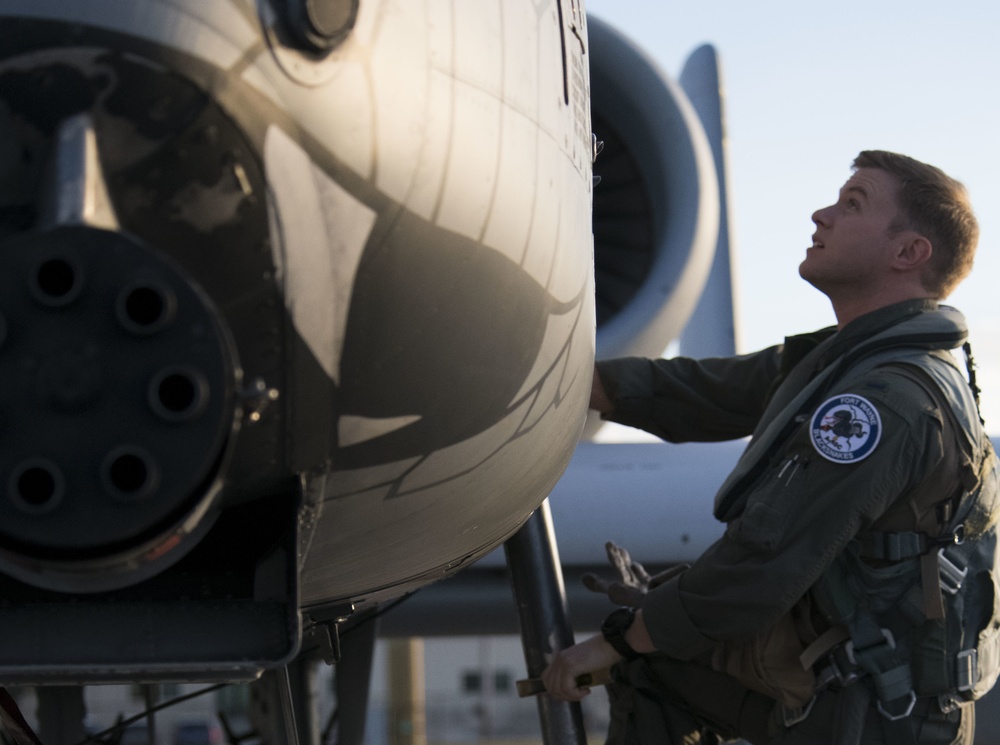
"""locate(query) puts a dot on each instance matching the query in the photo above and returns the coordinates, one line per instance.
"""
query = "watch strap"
(614, 628)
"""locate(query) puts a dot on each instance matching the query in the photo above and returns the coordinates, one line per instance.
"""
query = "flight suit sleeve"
(800, 514)
(687, 400)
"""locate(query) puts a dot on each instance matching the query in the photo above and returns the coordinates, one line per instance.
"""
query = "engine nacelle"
(656, 207)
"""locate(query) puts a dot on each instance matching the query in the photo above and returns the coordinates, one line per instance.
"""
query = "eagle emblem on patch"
(846, 428)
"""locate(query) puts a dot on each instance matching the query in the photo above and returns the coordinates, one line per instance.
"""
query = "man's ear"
(913, 251)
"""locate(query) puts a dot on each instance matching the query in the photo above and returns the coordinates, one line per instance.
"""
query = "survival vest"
(917, 614)
(922, 612)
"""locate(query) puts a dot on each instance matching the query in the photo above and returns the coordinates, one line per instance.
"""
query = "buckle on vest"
(911, 701)
(888, 639)
(967, 669)
(792, 715)
(843, 667)
(950, 575)
(948, 703)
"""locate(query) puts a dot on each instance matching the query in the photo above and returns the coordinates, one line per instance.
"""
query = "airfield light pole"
(533, 562)
(408, 713)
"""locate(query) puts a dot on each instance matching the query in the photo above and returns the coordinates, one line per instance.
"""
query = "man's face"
(852, 237)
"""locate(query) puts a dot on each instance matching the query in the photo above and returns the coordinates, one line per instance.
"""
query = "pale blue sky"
(808, 85)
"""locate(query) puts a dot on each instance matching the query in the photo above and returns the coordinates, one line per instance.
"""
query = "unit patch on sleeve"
(846, 428)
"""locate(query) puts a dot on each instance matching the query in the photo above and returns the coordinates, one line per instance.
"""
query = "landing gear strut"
(533, 561)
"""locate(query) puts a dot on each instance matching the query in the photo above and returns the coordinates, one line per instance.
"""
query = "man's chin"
(806, 273)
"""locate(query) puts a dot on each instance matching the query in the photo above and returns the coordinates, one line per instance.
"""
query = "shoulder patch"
(845, 428)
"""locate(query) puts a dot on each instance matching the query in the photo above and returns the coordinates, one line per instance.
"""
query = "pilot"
(851, 597)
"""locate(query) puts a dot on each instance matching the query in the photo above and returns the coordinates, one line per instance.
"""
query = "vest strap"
(886, 546)
(931, 584)
(824, 643)
(874, 650)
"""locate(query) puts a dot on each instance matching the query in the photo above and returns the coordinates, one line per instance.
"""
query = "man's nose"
(822, 216)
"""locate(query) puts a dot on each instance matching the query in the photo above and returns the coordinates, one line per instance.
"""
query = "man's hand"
(599, 400)
(568, 664)
(633, 580)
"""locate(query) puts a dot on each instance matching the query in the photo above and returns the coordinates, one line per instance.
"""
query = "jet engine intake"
(656, 206)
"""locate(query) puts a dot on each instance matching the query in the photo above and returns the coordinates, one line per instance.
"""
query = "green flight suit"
(788, 513)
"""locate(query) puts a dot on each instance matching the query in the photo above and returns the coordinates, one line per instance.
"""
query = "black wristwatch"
(613, 630)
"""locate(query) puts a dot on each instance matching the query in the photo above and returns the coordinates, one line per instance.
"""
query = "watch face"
(619, 619)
